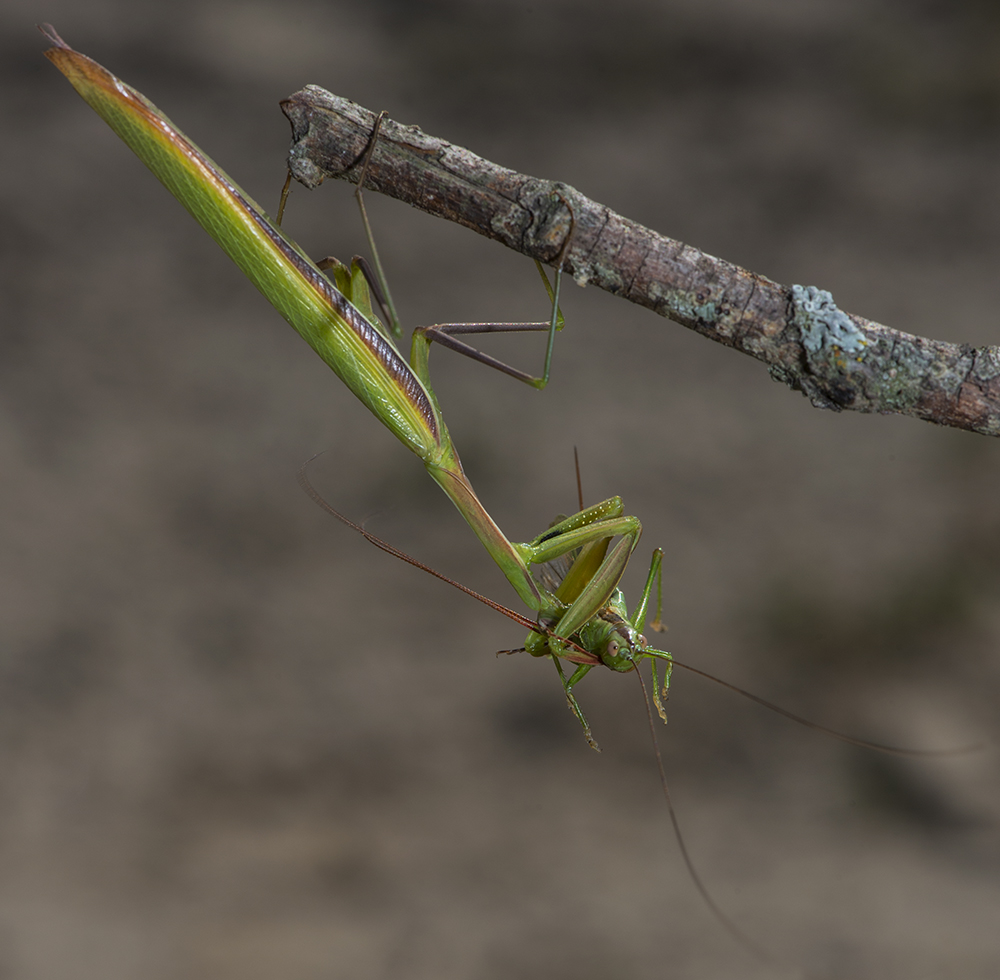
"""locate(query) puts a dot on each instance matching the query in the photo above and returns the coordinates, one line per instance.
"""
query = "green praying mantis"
(582, 618)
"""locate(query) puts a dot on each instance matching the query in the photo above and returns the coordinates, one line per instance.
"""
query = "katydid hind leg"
(657, 701)
(587, 533)
(595, 592)
(568, 683)
(545, 548)
(657, 624)
(655, 574)
(579, 481)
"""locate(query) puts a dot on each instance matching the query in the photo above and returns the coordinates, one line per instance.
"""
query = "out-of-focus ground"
(238, 742)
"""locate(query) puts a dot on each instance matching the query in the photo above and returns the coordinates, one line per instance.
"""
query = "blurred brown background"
(238, 742)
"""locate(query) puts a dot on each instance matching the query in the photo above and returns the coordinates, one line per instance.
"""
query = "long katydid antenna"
(724, 920)
(402, 555)
(389, 549)
(832, 732)
(579, 482)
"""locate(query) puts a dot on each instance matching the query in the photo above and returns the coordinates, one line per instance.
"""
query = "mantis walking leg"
(445, 333)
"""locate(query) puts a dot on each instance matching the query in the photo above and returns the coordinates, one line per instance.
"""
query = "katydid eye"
(613, 648)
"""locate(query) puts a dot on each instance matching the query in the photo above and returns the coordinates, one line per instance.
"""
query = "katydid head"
(618, 652)
(613, 638)
(624, 643)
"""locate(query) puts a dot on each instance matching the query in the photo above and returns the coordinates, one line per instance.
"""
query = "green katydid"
(582, 620)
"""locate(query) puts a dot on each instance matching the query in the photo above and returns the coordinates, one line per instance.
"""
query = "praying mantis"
(583, 619)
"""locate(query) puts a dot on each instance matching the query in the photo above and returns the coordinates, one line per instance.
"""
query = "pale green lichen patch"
(898, 389)
(684, 306)
(910, 368)
(822, 325)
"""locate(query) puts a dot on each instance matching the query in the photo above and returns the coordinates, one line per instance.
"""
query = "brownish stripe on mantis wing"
(387, 355)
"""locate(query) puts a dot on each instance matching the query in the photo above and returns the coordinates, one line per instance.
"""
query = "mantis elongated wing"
(359, 352)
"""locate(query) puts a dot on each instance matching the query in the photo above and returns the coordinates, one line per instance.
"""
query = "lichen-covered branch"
(839, 360)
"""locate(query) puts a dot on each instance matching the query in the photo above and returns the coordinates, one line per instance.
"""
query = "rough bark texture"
(839, 360)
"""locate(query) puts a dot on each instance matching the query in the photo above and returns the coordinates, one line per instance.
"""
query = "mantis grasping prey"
(582, 620)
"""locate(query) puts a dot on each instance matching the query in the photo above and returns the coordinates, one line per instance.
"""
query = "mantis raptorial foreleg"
(614, 615)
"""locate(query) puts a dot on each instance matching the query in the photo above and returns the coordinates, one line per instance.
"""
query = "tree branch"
(838, 360)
